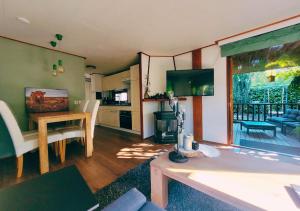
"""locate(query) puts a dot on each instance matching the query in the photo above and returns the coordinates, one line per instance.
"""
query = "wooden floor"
(264, 136)
(114, 154)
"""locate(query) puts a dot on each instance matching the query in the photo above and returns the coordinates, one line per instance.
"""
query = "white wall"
(214, 107)
(184, 62)
(158, 68)
(157, 78)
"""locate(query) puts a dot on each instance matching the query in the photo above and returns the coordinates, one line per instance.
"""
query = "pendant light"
(54, 66)
(57, 68)
(54, 70)
(60, 69)
(271, 75)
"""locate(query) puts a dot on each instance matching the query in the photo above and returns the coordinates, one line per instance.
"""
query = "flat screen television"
(197, 82)
(46, 100)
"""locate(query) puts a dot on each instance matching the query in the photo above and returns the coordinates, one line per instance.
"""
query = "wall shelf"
(162, 100)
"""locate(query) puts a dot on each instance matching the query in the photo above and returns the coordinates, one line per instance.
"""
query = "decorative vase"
(180, 139)
(146, 94)
(195, 145)
(188, 141)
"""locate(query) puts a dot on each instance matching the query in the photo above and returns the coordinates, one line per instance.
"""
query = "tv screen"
(191, 82)
(46, 100)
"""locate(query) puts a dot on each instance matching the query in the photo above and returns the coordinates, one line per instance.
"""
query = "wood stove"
(165, 127)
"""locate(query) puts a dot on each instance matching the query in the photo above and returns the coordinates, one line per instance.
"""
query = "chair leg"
(62, 150)
(19, 166)
(82, 141)
(56, 148)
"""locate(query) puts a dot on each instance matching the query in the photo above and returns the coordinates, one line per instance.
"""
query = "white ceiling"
(110, 33)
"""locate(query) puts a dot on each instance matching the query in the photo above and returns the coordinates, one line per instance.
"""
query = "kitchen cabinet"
(136, 121)
(107, 83)
(109, 117)
(96, 82)
(135, 88)
(135, 96)
(124, 75)
(115, 81)
(134, 72)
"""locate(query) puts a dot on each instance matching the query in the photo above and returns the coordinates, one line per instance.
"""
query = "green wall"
(23, 65)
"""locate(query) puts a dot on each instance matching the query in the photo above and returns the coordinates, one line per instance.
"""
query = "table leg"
(159, 187)
(88, 136)
(43, 147)
(248, 131)
(30, 124)
(283, 130)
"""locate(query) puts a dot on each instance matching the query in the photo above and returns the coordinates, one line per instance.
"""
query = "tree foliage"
(255, 87)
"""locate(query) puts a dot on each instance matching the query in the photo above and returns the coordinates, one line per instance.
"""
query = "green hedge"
(243, 94)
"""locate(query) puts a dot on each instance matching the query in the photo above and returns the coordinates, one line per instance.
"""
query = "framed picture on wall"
(46, 100)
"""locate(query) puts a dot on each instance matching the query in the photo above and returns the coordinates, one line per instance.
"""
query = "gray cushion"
(294, 112)
(292, 116)
(279, 119)
(285, 115)
(133, 200)
(151, 207)
(288, 111)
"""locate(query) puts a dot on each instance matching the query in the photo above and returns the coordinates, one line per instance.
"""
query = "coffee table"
(258, 126)
(238, 177)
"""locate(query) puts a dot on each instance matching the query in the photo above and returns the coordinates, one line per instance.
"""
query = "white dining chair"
(23, 142)
(82, 107)
(78, 131)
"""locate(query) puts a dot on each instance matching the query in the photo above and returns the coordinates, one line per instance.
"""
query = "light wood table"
(42, 119)
(246, 179)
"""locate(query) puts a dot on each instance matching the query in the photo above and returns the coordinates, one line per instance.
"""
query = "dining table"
(42, 120)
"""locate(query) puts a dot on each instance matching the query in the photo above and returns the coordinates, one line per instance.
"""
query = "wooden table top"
(247, 179)
(57, 116)
(254, 123)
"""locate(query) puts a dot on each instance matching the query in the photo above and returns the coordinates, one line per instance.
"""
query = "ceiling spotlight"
(23, 20)
(90, 66)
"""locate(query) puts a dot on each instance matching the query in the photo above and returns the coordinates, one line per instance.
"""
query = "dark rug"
(181, 197)
(270, 147)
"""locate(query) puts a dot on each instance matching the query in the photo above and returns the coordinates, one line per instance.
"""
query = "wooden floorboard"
(115, 153)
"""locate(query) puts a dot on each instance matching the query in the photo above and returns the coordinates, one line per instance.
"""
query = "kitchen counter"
(117, 105)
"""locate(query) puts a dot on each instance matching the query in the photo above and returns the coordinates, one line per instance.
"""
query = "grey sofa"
(291, 125)
(133, 200)
(291, 115)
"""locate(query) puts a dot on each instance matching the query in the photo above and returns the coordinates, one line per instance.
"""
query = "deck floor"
(264, 136)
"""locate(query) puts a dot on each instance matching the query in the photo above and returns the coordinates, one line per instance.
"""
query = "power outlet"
(77, 102)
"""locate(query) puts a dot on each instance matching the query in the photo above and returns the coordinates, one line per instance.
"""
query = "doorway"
(264, 99)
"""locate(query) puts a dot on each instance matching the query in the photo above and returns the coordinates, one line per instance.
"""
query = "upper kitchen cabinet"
(134, 72)
(135, 88)
(116, 81)
(96, 83)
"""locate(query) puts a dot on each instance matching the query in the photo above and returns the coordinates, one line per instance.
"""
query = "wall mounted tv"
(197, 82)
(46, 100)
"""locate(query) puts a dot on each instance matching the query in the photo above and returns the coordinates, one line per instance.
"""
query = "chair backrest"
(84, 105)
(93, 108)
(12, 126)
